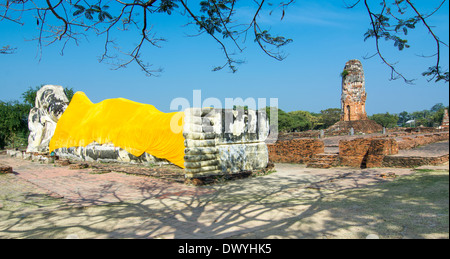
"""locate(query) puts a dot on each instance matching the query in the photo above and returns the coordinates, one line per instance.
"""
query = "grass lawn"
(413, 206)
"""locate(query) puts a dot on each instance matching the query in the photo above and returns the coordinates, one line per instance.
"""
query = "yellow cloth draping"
(132, 126)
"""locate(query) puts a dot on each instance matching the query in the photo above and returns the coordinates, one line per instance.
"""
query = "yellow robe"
(132, 126)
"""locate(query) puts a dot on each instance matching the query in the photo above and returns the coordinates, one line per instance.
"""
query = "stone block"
(224, 141)
(50, 104)
(5, 169)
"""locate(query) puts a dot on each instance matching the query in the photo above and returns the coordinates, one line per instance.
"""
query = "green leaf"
(78, 12)
(101, 17)
(96, 8)
(79, 7)
(107, 15)
(88, 14)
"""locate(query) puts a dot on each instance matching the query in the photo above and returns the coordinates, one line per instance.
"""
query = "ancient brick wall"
(295, 150)
(378, 149)
(373, 152)
(412, 141)
(297, 135)
(366, 152)
(411, 162)
(353, 152)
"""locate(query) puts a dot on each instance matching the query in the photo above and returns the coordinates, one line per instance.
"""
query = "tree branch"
(377, 37)
(438, 73)
(52, 9)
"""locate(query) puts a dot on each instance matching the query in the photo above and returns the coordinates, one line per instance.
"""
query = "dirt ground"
(50, 201)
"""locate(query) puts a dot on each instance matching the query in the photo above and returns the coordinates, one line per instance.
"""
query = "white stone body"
(220, 141)
(50, 104)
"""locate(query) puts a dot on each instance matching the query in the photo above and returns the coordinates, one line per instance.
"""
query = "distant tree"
(329, 117)
(301, 120)
(428, 118)
(423, 118)
(14, 118)
(13, 123)
(29, 96)
(285, 122)
(437, 114)
(4, 127)
(69, 93)
(295, 121)
(437, 107)
(403, 117)
(385, 119)
(437, 117)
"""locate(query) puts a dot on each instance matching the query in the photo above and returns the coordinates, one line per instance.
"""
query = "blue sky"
(325, 34)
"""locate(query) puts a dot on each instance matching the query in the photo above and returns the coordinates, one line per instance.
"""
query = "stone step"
(323, 160)
(325, 156)
(326, 161)
(319, 165)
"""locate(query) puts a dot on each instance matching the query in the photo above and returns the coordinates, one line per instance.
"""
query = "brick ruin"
(445, 120)
(353, 102)
(295, 150)
(353, 99)
(365, 152)
(359, 152)
(359, 127)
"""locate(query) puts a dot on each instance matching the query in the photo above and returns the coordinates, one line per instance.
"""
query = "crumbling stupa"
(353, 102)
(353, 99)
(445, 120)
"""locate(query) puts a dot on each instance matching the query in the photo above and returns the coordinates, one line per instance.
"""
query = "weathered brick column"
(353, 99)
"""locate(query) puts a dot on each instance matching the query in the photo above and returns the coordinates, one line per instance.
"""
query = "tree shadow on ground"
(414, 206)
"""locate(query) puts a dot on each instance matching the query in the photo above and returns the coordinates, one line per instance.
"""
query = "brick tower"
(445, 121)
(353, 103)
(353, 99)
